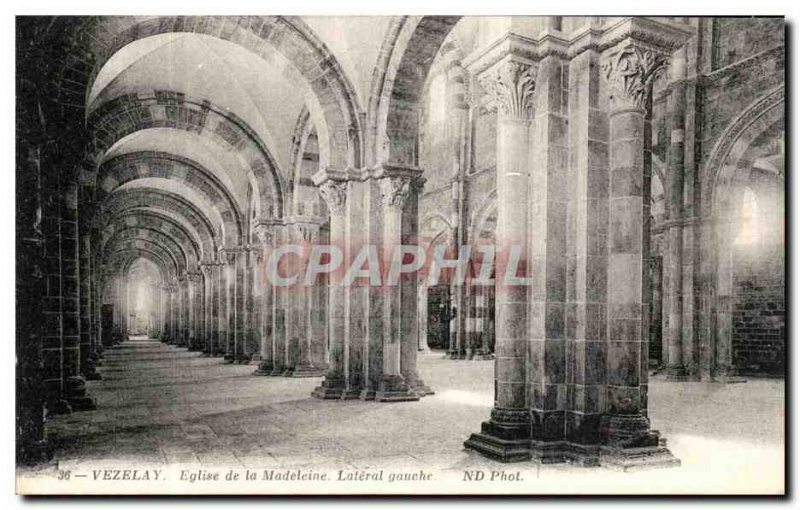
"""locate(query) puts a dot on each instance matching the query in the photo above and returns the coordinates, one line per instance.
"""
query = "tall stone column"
(175, 313)
(457, 126)
(704, 284)
(482, 322)
(237, 260)
(217, 339)
(95, 303)
(409, 300)
(263, 232)
(155, 317)
(673, 263)
(254, 301)
(306, 233)
(88, 357)
(165, 312)
(196, 307)
(395, 184)
(186, 310)
(506, 436)
(723, 235)
(191, 299)
(279, 305)
(32, 304)
(73, 385)
(227, 300)
(247, 289)
(629, 69)
(334, 385)
(207, 269)
(221, 300)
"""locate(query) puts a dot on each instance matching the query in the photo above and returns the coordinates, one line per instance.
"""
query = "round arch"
(131, 167)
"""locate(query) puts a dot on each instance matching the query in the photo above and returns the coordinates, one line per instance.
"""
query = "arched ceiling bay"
(177, 188)
(252, 87)
(352, 39)
(145, 269)
(223, 164)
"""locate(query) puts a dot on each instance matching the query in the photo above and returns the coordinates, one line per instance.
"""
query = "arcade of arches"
(639, 162)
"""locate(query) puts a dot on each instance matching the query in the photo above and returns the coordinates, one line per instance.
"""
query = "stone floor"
(161, 406)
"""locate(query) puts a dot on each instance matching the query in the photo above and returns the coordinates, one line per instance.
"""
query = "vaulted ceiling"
(206, 123)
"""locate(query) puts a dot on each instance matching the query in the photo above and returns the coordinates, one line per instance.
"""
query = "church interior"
(637, 161)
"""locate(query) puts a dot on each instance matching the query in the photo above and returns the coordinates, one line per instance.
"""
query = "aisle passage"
(161, 405)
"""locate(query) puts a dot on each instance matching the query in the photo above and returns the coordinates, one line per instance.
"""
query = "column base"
(264, 369)
(353, 394)
(75, 395)
(307, 371)
(418, 385)
(422, 389)
(729, 379)
(632, 430)
(331, 388)
(619, 459)
(35, 452)
(677, 374)
(505, 437)
(726, 375)
(84, 403)
(71, 405)
(638, 459)
(394, 389)
(558, 452)
(58, 406)
(498, 449)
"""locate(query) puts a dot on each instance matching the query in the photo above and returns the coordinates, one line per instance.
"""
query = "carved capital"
(335, 195)
(509, 87)
(228, 255)
(264, 233)
(630, 69)
(395, 192)
(306, 232)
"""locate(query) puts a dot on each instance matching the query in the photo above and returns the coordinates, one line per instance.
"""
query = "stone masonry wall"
(759, 313)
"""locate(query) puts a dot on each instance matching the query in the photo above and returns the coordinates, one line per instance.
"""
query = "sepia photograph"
(400, 255)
